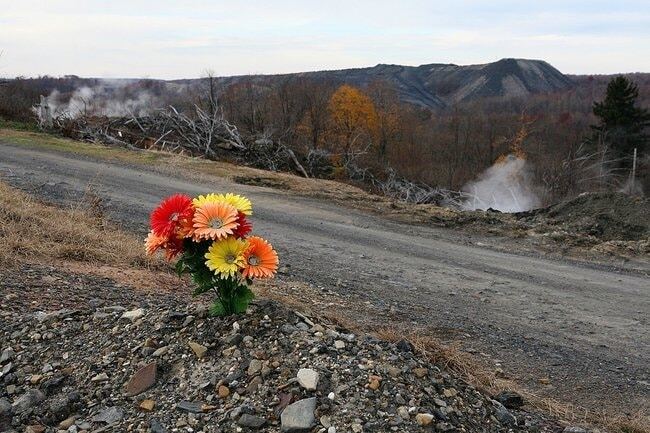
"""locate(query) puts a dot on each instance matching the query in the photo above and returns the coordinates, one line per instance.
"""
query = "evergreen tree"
(622, 125)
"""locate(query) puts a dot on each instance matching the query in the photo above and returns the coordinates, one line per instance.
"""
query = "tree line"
(577, 140)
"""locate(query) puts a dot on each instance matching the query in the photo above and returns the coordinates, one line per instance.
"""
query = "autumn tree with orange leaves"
(353, 120)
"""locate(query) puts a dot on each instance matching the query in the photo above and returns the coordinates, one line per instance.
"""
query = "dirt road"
(585, 328)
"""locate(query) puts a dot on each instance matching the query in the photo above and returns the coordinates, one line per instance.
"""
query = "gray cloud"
(142, 38)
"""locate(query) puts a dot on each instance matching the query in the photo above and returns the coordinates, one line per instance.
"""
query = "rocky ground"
(598, 226)
(86, 354)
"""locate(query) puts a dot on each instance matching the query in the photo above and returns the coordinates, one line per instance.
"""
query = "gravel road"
(585, 328)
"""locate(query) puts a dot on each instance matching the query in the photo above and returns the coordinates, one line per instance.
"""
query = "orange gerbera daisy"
(214, 221)
(172, 246)
(261, 259)
(153, 243)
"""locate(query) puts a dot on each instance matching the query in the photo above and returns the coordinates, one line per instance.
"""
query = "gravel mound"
(606, 216)
(105, 367)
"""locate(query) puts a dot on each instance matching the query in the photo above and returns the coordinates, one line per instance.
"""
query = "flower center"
(253, 261)
(174, 217)
(230, 259)
(216, 223)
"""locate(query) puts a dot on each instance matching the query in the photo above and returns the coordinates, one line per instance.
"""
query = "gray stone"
(63, 405)
(503, 415)
(325, 421)
(299, 416)
(133, 315)
(109, 415)
(7, 355)
(574, 429)
(28, 400)
(6, 414)
(404, 346)
(254, 367)
(51, 385)
(252, 421)
(510, 399)
(190, 406)
(288, 329)
(234, 340)
(101, 377)
(156, 427)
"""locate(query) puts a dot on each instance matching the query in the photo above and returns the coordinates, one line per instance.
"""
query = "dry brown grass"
(35, 232)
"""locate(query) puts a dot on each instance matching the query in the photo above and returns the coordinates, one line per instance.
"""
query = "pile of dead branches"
(202, 132)
(401, 189)
(197, 133)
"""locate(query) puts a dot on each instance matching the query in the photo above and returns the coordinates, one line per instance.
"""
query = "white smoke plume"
(112, 98)
(506, 186)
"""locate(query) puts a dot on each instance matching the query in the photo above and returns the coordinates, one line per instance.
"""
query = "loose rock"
(424, 418)
(510, 399)
(142, 380)
(147, 405)
(110, 415)
(504, 416)
(133, 315)
(223, 391)
(252, 421)
(198, 349)
(28, 400)
(189, 406)
(6, 414)
(299, 416)
(308, 378)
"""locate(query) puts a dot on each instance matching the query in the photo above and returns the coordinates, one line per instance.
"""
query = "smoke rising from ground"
(112, 98)
(505, 186)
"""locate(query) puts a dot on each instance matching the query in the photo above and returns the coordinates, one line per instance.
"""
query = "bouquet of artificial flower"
(210, 235)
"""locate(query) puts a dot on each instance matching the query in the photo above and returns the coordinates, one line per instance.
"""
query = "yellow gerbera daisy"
(239, 202)
(226, 257)
(203, 199)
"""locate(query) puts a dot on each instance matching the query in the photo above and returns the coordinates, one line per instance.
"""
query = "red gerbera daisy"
(171, 215)
(243, 228)
(173, 248)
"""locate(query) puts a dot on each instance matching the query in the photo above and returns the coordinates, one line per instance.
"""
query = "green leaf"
(180, 267)
(243, 297)
(218, 309)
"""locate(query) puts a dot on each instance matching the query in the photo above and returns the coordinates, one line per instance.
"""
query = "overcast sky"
(177, 39)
